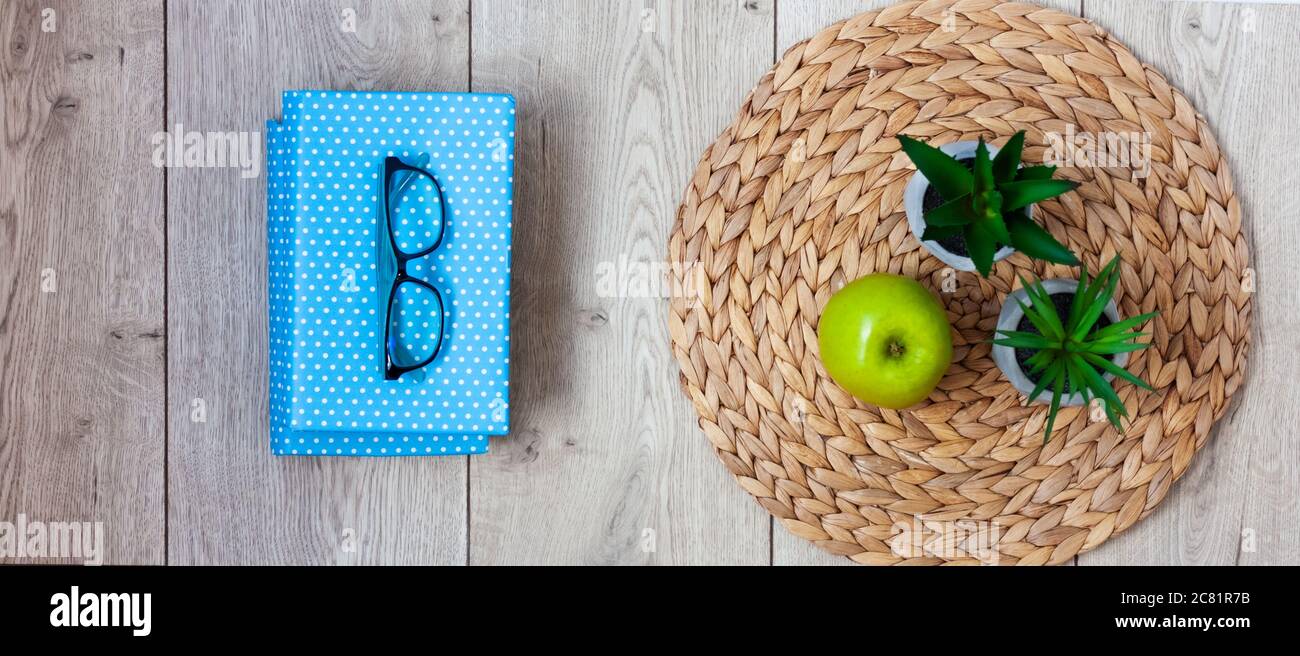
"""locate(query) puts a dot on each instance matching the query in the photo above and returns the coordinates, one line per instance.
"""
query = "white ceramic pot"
(1009, 318)
(914, 204)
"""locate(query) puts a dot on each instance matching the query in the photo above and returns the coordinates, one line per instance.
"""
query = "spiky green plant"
(985, 203)
(1071, 354)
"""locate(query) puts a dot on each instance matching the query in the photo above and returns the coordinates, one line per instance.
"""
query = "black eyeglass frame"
(394, 166)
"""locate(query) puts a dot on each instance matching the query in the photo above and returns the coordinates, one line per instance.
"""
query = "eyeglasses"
(414, 214)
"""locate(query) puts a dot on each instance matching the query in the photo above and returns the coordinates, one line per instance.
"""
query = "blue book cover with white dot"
(337, 318)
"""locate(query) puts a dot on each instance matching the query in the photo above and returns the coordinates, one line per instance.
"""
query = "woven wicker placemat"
(804, 192)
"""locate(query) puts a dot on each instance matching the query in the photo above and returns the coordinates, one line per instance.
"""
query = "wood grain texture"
(798, 20)
(81, 208)
(231, 501)
(1237, 63)
(605, 462)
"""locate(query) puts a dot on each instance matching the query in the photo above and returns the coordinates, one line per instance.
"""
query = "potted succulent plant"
(971, 205)
(1061, 342)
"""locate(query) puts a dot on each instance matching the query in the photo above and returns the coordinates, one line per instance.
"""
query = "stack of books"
(343, 321)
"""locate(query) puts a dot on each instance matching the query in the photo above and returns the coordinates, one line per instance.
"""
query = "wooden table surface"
(133, 328)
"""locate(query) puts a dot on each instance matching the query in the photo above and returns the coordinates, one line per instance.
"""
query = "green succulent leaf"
(948, 176)
(1023, 193)
(1112, 349)
(1022, 340)
(1073, 366)
(1086, 294)
(1071, 381)
(1114, 420)
(1083, 322)
(1043, 322)
(981, 246)
(956, 212)
(1081, 292)
(1041, 172)
(1101, 389)
(1051, 373)
(1112, 339)
(1096, 295)
(1008, 159)
(1020, 333)
(1032, 240)
(982, 172)
(1116, 370)
(1121, 327)
(995, 227)
(1110, 269)
(1042, 311)
(1054, 408)
(1039, 361)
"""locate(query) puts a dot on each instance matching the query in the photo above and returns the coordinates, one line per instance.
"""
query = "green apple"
(885, 339)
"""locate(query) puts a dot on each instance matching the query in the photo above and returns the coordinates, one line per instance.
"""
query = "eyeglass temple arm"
(404, 177)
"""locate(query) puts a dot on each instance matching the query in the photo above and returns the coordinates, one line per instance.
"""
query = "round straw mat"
(804, 192)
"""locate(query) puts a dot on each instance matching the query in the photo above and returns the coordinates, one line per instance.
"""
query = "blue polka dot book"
(388, 251)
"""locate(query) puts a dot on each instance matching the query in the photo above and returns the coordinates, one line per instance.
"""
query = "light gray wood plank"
(798, 20)
(81, 265)
(1237, 64)
(605, 462)
(231, 501)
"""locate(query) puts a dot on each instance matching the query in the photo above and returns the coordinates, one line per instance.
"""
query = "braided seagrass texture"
(804, 192)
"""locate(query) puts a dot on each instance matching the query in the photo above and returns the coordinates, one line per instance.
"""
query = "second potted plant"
(1061, 342)
(972, 205)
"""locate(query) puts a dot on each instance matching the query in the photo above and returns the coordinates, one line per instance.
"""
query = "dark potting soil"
(1062, 302)
(955, 244)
